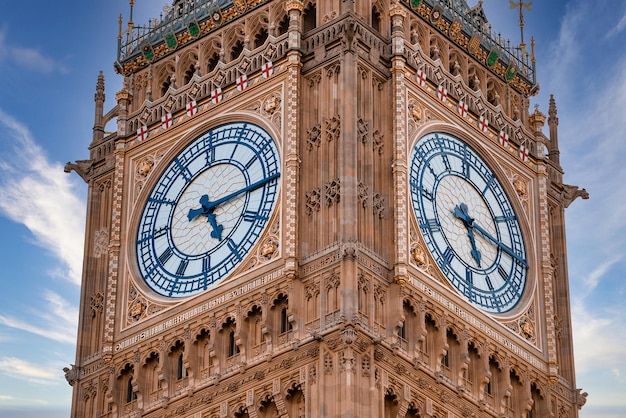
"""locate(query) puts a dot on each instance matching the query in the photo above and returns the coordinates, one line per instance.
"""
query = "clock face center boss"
(468, 222)
(208, 209)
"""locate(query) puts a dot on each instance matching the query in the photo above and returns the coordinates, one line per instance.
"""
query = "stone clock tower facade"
(325, 208)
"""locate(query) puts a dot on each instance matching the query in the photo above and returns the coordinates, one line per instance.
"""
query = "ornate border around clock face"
(468, 223)
(207, 209)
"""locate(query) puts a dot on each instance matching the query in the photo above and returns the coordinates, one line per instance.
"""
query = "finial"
(521, 5)
(132, 4)
(119, 32)
(130, 22)
(552, 107)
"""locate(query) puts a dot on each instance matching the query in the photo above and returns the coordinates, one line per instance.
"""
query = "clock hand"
(248, 188)
(208, 207)
(461, 213)
(207, 210)
(499, 244)
(217, 229)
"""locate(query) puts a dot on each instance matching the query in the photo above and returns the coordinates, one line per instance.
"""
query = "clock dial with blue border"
(468, 222)
(208, 209)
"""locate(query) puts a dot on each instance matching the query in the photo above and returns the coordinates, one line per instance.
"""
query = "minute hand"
(499, 244)
(248, 188)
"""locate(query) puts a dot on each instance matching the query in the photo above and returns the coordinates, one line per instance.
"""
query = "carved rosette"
(522, 189)
(269, 249)
(143, 168)
(269, 106)
(418, 252)
(525, 326)
(417, 115)
(139, 307)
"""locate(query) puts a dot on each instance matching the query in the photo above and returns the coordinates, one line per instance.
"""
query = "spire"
(99, 97)
(553, 123)
(522, 5)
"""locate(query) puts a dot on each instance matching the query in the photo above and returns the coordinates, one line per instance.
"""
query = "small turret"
(553, 124)
(99, 97)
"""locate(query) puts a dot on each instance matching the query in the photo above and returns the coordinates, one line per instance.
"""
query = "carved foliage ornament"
(313, 136)
(333, 128)
(332, 192)
(313, 199)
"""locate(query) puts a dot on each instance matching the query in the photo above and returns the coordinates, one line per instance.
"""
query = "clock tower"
(324, 208)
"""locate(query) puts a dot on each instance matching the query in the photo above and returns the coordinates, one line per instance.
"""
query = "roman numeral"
(183, 170)
(427, 194)
(501, 219)
(488, 185)
(206, 263)
(469, 278)
(161, 201)
(249, 163)
(503, 273)
(489, 284)
(252, 216)
(233, 247)
(182, 267)
(160, 232)
(210, 156)
(448, 256)
(432, 225)
(165, 255)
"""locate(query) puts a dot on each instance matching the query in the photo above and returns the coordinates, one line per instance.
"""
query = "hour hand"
(217, 229)
(475, 253)
(461, 212)
(207, 210)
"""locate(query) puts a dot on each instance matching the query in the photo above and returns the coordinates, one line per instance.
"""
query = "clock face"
(208, 209)
(468, 222)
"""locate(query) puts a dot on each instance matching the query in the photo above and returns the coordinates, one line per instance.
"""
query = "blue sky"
(50, 56)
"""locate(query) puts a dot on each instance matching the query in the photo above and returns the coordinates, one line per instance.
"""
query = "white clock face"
(207, 210)
(468, 222)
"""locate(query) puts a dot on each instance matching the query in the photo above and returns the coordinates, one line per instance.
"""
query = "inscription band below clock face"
(468, 222)
(208, 209)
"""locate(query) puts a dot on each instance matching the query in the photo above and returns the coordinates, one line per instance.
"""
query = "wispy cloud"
(51, 209)
(34, 373)
(621, 25)
(591, 113)
(596, 341)
(57, 321)
(594, 277)
(29, 58)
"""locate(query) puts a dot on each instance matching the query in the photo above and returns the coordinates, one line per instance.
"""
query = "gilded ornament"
(137, 309)
(528, 330)
(520, 187)
(271, 105)
(416, 112)
(144, 167)
(419, 256)
(268, 249)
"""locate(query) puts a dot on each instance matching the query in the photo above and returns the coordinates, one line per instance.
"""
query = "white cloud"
(598, 340)
(29, 58)
(57, 322)
(34, 373)
(593, 278)
(615, 30)
(50, 208)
